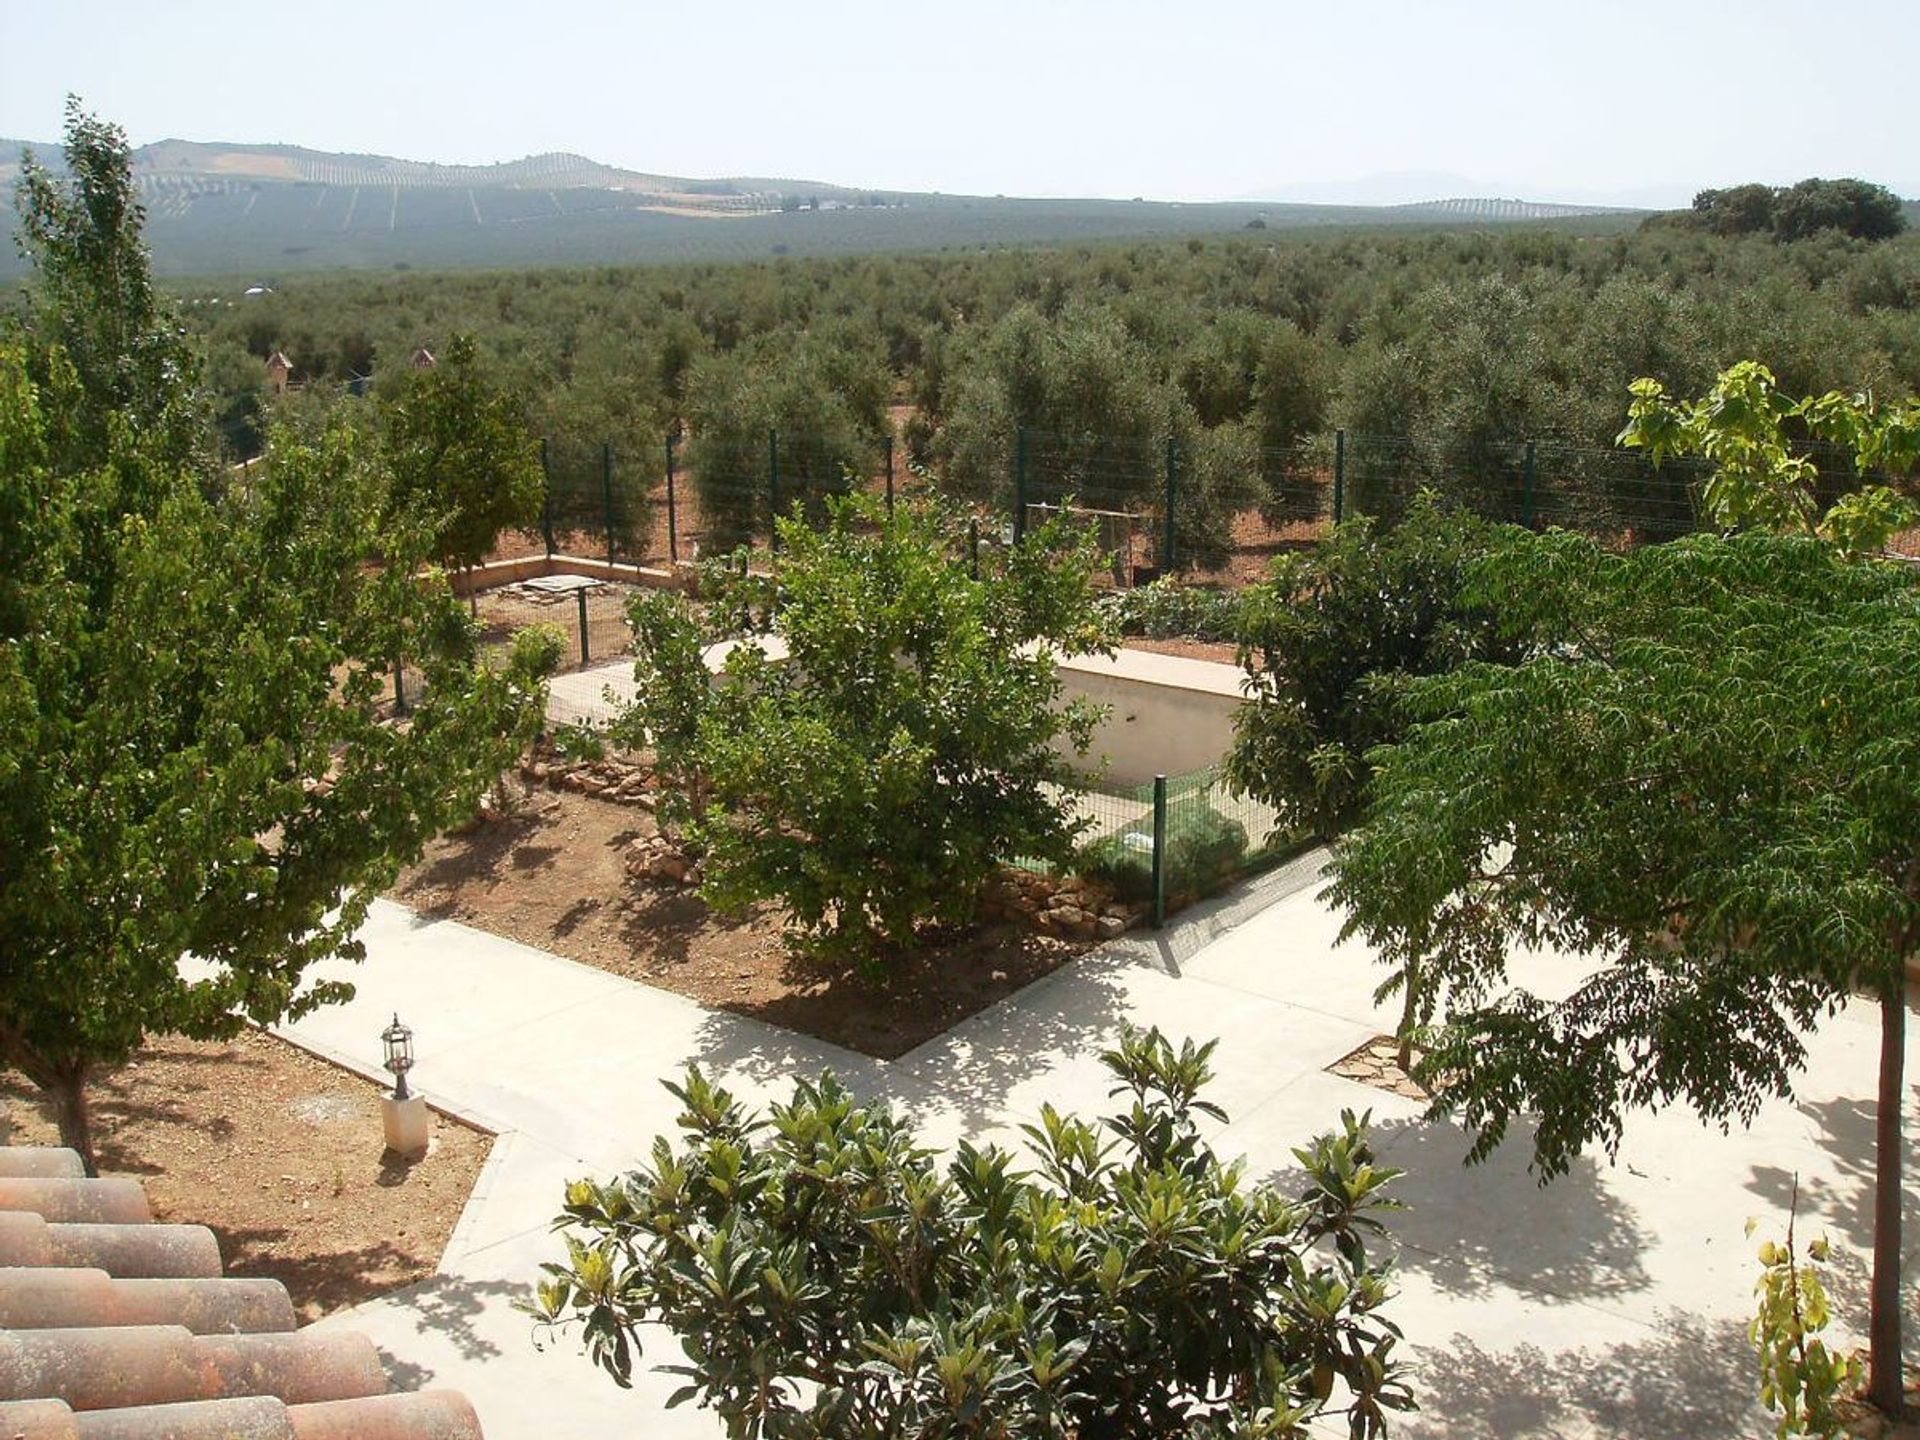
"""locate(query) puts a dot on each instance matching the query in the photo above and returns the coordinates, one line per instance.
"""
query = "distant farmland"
(210, 224)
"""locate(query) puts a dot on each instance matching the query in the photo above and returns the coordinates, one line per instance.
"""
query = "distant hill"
(271, 209)
(1490, 209)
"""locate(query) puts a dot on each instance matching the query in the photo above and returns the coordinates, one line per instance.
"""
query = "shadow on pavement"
(1690, 1378)
(1472, 1229)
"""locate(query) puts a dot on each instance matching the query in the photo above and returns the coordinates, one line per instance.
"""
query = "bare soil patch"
(554, 875)
(1216, 650)
(280, 1154)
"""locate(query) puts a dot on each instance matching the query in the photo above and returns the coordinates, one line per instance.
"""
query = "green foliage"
(1206, 851)
(829, 1277)
(818, 404)
(195, 754)
(673, 694)
(1326, 641)
(1801, 1380)
(874, 779)
(463, 463)
(1701, 774)
(1462, 345)
(1169, 608)
(1855, 208)
(1759, 477)
(94, 304)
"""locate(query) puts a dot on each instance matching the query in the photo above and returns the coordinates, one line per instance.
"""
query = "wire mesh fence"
(1176, 839)
(1153, 506)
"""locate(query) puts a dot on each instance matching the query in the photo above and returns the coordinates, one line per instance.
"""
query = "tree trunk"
(69, 1094)
(1409, 1016)
(1885, 1380)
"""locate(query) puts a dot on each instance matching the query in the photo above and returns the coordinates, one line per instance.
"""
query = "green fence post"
(889, 474)
(606, 493)
(1159, 851)
(1166, 534)
(973, 545)
(546, 490)
(1526, 489)
(580, 597)
(1019, 485)
(1339, 476)
(773, 486)
(399, 687)
(673, 518)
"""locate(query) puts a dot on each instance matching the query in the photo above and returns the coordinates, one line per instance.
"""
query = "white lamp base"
(408, 1125)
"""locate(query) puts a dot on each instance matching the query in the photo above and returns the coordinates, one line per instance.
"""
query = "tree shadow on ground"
(323, 1281)
(1472, 1229)
(123, 1107)
(1842, 1202)
(662, 922)
(450, 1307)
(1691, 1378)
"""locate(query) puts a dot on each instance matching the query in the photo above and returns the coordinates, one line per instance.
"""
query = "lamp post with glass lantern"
(403, 1114)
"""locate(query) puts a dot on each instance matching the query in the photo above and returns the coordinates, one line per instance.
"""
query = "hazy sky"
(1197, 100)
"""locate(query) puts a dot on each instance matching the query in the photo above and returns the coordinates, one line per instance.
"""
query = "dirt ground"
(1219, 651)
(280, 1154)
(554, 876)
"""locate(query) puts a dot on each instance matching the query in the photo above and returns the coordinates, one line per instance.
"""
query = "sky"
(1378, 100)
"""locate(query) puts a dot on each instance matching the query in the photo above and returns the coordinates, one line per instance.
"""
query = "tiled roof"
(113, 1327)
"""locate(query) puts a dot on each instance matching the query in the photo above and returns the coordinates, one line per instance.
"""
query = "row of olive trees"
(196, 757)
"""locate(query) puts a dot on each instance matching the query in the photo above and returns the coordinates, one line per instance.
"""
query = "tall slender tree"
(196, 760)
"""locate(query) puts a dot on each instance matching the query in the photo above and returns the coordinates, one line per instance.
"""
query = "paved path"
(1612, 1303)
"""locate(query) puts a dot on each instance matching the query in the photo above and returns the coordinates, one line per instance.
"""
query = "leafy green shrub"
(1326, 641)
(829, 1278)
(1205, 850)
(1168, 609)
(578, 742)
(878, 776)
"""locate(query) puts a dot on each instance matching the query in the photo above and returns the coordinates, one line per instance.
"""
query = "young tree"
(194, 754)
(829, 1277)
(874, 779)
(1325, 638)
(1711, 790)
(1703, 773)
(462, 459)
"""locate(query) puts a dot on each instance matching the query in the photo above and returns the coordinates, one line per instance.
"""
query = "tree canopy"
(876, 776)
(1702, 776)
(462, 460)
(196, 756)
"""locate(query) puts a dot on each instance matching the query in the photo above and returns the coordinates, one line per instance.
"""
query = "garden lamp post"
(398, 1041)
(403, 1114)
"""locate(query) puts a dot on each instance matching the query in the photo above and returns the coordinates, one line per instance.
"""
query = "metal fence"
(1152, 507)
(1176, 839)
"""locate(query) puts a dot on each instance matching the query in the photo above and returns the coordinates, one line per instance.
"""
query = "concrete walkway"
(1611, 1303)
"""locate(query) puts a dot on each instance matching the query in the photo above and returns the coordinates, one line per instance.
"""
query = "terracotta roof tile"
(50, 1299)
(132, 1251)
(115, 1328)
(95, 1202)
(42, 1161)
